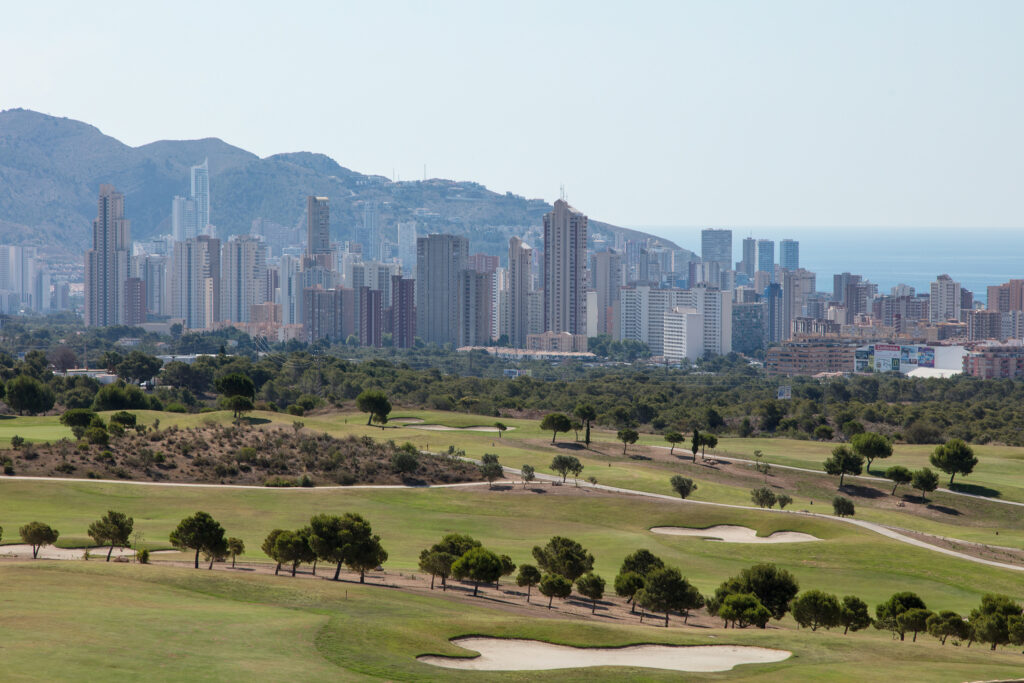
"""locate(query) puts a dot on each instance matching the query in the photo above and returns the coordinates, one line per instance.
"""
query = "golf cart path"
(880, 529)
(867, 477)
(888, 532)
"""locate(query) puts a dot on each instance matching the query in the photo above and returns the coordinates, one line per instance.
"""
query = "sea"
(974, 257)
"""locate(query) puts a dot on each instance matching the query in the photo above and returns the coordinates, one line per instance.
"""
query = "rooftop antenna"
(562, 191)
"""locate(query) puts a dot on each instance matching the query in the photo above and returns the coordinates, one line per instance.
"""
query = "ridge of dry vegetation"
(241, 454)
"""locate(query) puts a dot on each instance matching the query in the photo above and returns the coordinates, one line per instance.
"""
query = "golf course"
(197, 624)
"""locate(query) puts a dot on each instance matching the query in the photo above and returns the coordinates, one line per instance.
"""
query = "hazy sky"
(677, 113)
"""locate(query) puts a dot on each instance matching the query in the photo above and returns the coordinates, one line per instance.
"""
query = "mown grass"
(132, 622)
(847, 560)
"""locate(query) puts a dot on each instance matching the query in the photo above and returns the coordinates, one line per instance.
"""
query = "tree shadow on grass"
(570, 446)
(862, 491)
(976, 490)
(255, 421)
(944, 510)
(639, 457)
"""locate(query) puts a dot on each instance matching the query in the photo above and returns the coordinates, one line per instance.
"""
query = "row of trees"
(998, 620)
(953, 457)
(346, 539)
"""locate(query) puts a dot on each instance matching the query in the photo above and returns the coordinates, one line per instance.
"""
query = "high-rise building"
(152, 269)
(474, 302)
(318, 226)
(1006, 297)
(201, 196)
(840, 281)
(243, 277)
(716, 246)
(369, 233)
(108, 263)
(407, 246)
(945, 301)
(289, 294)
(749, 263)
(403, 312)
(195, 282)
(439, 260)
(775, 324)
(606, 275)
(183, 219)
(565, 264)
(797, 286)
(134, 301)
(748, 327)
(371, 317)
(789, 254)
(520, 256)
(766, 256)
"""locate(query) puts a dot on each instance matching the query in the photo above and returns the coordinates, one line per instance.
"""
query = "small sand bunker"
(405, 420)
(50, 552)
(499, 654)
(446, 428)
(729, 533)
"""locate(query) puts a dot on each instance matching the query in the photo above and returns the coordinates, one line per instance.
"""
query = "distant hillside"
(51, 169)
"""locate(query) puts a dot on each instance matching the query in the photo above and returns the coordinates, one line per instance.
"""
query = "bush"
(175, 408)
(843, 507)
(17, 442)
(143, 556)
(823, 433)
(293, 409)
(97, 436)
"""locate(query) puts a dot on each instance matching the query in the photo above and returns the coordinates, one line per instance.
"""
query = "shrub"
(843, 507)
(143, 556)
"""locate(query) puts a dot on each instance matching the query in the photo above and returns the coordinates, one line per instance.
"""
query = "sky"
(721, 113)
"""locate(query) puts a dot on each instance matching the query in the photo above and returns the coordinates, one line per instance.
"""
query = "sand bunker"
(499, 654)
(54, 553)
(446, 428)
(735, 534)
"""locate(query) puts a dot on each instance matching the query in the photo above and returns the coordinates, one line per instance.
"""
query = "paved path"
(870, 526)
(888, 532)
(867, 477)
(238, 486)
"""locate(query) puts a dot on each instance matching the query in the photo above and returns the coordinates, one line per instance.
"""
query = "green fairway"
(133, 622)
(32, 429)
(847, 560)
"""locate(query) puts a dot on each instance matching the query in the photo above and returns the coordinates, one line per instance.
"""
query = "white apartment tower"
(243, 277)
(108, 263)
(565, 264)
(520, 256)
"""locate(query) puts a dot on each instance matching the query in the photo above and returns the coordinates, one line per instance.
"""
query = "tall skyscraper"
(183, 219)
(439, 260)
(789, 254)
(369, 234)
(766, 256)
(201, 195)
(565, 264)
(108, 263)
(407, 246)
(243, 277)
(195, 282)
(716, 246)
(318, 226)
(403, 311)
(749, 262)
(474, 303)
(607, 279)
(520, 255)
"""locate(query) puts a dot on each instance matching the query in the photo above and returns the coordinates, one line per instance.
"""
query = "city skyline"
(885, 125)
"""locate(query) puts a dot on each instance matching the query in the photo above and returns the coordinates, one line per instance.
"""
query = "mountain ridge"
(51, 168)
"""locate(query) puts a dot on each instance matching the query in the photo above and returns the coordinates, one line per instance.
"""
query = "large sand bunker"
(499, 654)
(729, 533)
(51, 552)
